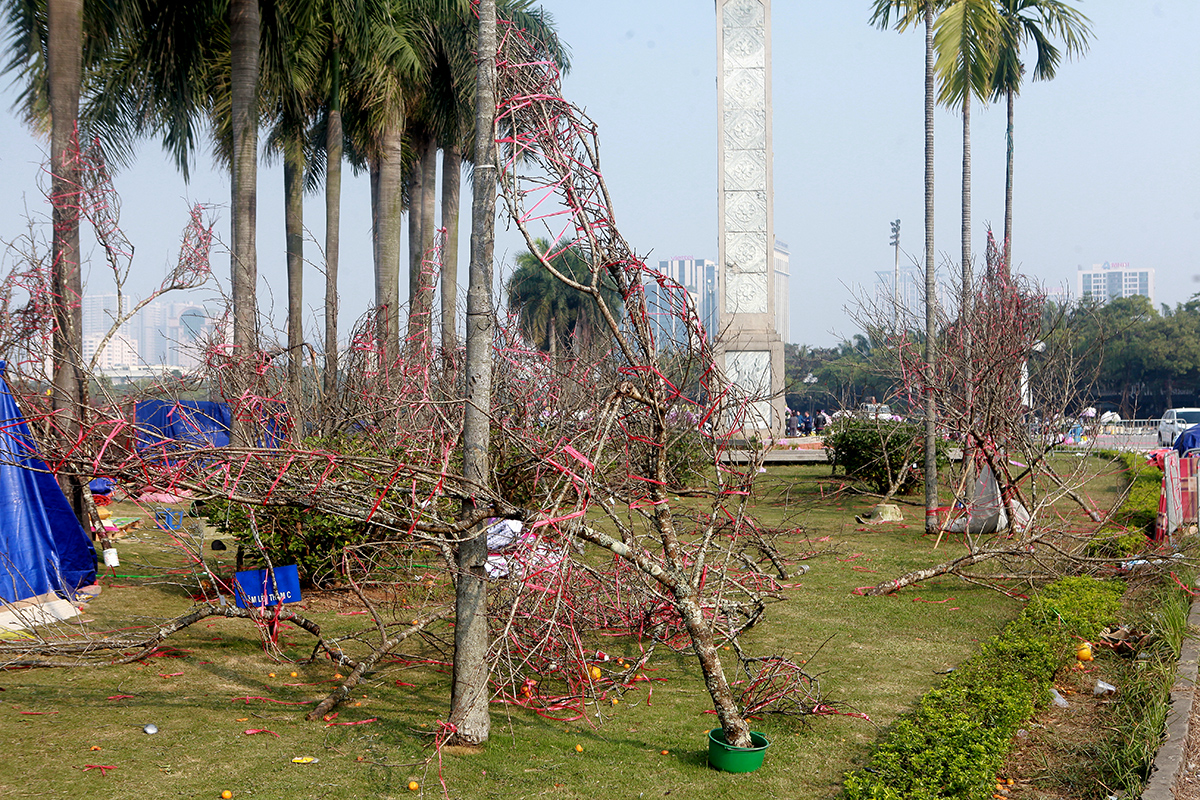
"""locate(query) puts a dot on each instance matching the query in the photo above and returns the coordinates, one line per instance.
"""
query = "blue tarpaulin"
(43, 548)
(1188, 440)
(160, 422)
(174, 423)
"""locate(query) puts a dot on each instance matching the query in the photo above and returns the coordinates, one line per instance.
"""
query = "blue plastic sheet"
(1188, 440)
(43, 548)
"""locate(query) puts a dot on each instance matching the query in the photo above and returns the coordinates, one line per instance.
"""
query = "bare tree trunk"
(931, 472)
(469, 699)
(333, 224)
(451, 180)
(65, 48)
(293, 192)
(737, 732)
(387, 267)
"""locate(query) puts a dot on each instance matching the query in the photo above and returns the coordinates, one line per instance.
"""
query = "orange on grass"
(413, 786)
(578, 748)
(295, 674)
(225, 795)
(595, 673)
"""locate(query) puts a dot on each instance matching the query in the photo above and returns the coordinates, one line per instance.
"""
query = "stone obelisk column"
(752, 349)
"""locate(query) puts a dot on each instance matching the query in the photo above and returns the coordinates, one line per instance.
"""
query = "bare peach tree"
(1007, 412)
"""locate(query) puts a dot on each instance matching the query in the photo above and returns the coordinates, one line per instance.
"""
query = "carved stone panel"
(746, 211)
(745, 170)
(746, 251)
(745, 129)
(743, 14)
(745, 88)
(745, 292)
(750, 372)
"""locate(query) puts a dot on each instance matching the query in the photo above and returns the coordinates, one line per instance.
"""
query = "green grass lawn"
(875, 656)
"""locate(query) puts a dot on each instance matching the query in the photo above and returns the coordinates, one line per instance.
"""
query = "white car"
(1175, 422)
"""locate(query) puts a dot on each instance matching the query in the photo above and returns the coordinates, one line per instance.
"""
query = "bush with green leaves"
(879, 451)
(954, 743)
(311, 541)
(1127, 532)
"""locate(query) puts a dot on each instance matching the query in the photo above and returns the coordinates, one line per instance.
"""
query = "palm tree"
(907, 13)
(64, 62)
(550, 311)
(451, 98)
(1036, 21)
(964, 37)
(245, 23)
(51, 44)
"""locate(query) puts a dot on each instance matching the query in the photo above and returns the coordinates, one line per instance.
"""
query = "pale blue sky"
(1107, 156)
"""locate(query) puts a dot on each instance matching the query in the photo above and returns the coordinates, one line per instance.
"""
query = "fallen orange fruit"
(413, 786)
(665, 752)
(1084, 653)
(294, 675)
(578, 748)
(595, 673)
(225, 795)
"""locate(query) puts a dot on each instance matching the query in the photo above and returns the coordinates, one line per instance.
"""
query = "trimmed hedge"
(954, 742)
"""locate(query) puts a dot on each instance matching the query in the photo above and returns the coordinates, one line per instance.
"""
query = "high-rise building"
(700, 278)
(900, 294)
(161, 334)
(783, 274)
(1104, 282)
(684, 285)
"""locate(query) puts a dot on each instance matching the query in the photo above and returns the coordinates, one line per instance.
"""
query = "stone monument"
(750, 348)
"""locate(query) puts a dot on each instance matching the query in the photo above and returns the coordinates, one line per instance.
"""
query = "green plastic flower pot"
(728, 758)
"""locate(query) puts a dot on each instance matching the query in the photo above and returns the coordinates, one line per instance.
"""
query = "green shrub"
(876, 451)
(955, 741)
(1126, 533)
(1076, 606)
(307, 539)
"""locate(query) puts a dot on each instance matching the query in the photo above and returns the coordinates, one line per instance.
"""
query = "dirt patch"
(1052, 753)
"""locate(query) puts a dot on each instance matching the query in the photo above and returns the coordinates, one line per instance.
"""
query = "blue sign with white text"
(256, 590)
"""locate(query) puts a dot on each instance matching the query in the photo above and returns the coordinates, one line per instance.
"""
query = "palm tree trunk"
(244, 30)
(428, 276)
(451, 179)
(965, 305)
(415, 177)
(293, 224)
(333, 222)
(1008, 191)
(65, 57)
(387, 267)
(470, 693)
(931, 475)
(244, 25)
